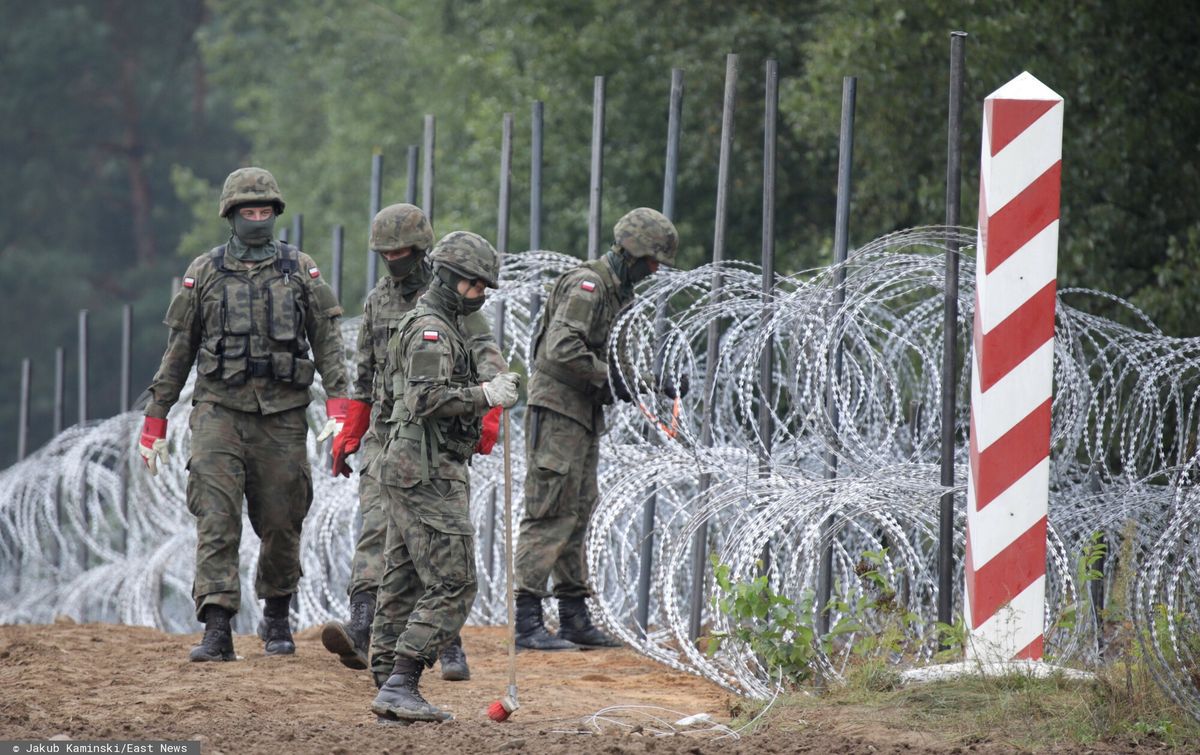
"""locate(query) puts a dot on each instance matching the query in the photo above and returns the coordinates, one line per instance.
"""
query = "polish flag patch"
(588, 286)
(314, 272)
(189, 282)
(430, 335)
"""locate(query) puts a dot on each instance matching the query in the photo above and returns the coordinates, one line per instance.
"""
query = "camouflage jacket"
(385, 307)
(570, 371)
(432, 400)
(248, 327)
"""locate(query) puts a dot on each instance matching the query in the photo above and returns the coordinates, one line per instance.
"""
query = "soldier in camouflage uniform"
(433, 400)
(247, 315)
(402, 236)
(569, 384)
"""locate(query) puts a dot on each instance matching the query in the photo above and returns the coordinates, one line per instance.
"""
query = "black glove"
(616, 384)
(668, 386)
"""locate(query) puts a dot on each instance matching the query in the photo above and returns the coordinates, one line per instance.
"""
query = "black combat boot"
(217, 644)
(531, 631)
(454, 661)
(352, 642)
(400, 700)
(274, 628)
(576, 625)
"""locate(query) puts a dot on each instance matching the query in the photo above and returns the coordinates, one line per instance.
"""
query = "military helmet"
(469, 255)
(398, 226)
(250, 186)
(647, 233)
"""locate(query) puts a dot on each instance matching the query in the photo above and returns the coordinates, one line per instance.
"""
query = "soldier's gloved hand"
(153, 443)
(616, 384)
(349, 438)
(491, 431)
(502, 390)
(335, 409)
(674, 389)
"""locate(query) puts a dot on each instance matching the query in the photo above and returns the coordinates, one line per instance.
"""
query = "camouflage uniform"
(249, 327)
(432, 401)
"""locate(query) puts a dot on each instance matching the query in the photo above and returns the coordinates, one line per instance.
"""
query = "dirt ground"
(102, 681)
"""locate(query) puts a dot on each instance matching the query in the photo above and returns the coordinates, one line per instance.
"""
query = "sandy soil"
(100, 681)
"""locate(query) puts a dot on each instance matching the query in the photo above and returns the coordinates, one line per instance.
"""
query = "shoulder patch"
(314, 272)
(430, 335)
(189, 282)
(587, 286)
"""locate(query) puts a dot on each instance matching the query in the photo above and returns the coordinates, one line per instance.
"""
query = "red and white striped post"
(1012, 371)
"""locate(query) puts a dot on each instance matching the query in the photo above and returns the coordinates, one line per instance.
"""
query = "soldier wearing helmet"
(433, 399)
(402, 236)
(568, 387)
(256, 318)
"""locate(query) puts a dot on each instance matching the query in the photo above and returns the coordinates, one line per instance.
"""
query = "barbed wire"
(85, 531)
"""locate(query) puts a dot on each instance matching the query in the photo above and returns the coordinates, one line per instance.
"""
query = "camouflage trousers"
(560, 494)
(428, 582)
(366, 568)
(263, 458)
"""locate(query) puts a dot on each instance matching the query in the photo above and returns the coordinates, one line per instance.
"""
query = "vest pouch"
(303, 372)
(283, 366)
(282, 322)
(235, 347)
(207, 363)
(236, 308)
(234, 370)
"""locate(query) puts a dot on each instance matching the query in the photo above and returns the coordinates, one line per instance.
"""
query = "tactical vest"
(240, 337)
(433, 440)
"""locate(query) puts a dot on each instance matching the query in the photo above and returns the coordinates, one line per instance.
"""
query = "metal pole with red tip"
(501, 709)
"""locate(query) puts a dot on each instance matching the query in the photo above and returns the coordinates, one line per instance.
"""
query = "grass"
(1122, 708)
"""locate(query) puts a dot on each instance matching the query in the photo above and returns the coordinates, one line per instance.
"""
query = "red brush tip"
(497, 712)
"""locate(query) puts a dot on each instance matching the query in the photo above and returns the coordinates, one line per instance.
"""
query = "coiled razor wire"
(85, 531)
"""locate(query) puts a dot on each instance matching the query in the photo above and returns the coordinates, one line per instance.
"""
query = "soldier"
(433, 400)
(246, 315)
(569, 384)
(402, 236)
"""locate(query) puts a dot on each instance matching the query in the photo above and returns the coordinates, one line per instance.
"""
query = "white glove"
(502, 390)
(335, 409)
(154, 454)
(332, 427)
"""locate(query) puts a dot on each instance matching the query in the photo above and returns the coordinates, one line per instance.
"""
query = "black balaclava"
(252, 240)
(411, 273)
(444, 290)
(628, 269)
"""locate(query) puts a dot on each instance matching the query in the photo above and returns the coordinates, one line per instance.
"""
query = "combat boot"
(352, 642)
(400, 700)
(576, 625)
(531, 629)
(217, 644)
(454, 661)
(274, 629)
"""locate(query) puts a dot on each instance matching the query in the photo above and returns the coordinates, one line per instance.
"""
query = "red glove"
(355, 423)
(153, 443)
(491, 431)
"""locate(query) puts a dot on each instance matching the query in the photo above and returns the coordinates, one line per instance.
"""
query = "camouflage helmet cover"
(398, 226)
(250, 185)
(468, 254)
(647, 233)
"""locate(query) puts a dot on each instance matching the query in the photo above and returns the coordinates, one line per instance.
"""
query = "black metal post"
(950, 333)
(283, 235)
(410, 188)
(126, 355)
(650, 510)
(427, 175)
(339, 245)
(841, 246)
(766, 364)
(596, 188)
(23, 411)
(376, 203)
(700, 538)
(298, 230)
(60, 389)
(83, 366)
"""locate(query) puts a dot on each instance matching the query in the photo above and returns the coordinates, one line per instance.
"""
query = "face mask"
(253, 232)
(639, 269)
(444, 290)
(404, 266)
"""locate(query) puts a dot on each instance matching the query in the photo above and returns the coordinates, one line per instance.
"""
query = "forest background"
(121, 118)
